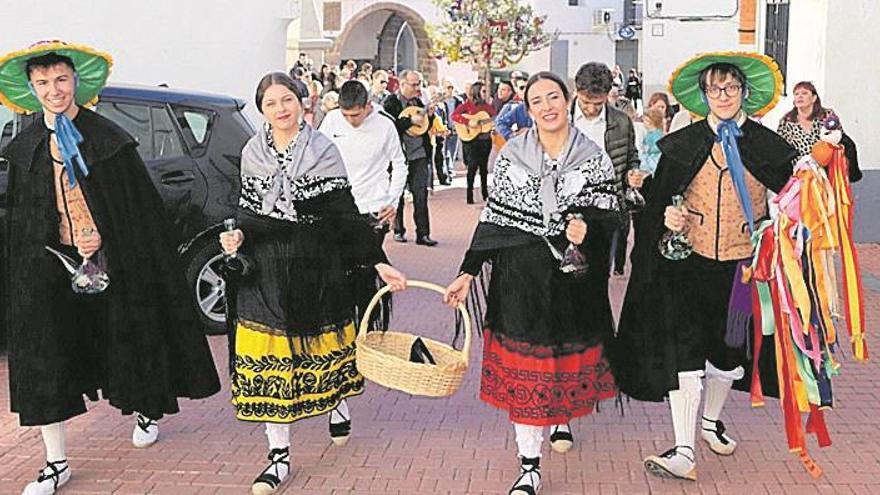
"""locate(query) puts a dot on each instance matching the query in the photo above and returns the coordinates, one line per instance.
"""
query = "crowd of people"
(322, 185)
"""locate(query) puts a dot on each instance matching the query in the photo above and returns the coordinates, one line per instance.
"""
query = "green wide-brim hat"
(92, 68)
(763, 79)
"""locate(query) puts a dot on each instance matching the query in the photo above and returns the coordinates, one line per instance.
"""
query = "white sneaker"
(51, 478)
(713, 432)
(146, 431)
(678, 463)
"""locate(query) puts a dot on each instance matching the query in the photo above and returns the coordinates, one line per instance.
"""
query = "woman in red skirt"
(544, 327)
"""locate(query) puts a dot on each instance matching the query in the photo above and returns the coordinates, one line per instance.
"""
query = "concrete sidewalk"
(457, 445)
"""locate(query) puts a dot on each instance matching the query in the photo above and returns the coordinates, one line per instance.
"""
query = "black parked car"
(191, 143)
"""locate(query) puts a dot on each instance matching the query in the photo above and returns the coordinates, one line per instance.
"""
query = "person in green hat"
(80, 201)
(683, 321)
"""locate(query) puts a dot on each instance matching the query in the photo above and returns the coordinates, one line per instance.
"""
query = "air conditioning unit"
(603, 18)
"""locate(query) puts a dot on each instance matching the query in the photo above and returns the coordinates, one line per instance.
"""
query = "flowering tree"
(489, 34)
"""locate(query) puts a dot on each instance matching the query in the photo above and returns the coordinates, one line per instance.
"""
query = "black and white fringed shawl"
(532, 193)
(272, 181)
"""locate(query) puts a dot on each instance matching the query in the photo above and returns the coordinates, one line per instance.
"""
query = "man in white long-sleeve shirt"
(368, 142)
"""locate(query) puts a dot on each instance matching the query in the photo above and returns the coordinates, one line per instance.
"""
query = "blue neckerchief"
(69, 138)
(728, 131)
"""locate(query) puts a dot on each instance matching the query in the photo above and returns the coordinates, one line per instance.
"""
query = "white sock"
(685, 404)
(341, 413)
(563, 427)
(718, 384)
(54, 441)
(528, 440)
(279, 435)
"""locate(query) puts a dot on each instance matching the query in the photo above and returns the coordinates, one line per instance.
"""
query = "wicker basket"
(383, 357)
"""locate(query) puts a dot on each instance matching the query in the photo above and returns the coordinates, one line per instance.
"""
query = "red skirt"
(538, 389)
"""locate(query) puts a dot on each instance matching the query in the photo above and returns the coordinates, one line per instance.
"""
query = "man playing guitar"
(417, 149)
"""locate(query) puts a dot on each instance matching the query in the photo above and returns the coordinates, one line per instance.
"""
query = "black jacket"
(146, 336)
(393, 106)
(620, 143)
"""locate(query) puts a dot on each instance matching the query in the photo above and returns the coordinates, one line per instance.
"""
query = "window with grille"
(776, 34)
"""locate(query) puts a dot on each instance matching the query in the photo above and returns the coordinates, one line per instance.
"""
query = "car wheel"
(209, 288)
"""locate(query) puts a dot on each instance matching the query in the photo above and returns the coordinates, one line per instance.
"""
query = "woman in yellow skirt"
(300, 241)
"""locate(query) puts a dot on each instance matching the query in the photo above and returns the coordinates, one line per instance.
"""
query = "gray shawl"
(531, 194)
(271, 181)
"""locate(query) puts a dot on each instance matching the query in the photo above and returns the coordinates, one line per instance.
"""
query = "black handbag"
(419, 353)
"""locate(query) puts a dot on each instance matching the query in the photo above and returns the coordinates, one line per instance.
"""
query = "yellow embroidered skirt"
(281, 380)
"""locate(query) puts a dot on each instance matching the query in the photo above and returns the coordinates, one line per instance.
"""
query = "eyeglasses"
(731, 90)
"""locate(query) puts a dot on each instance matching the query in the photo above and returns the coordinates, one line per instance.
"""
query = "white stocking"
(528, 440)
(718, 385)
(54, 441)
(341, 413)
(279, 435)
(685, 404)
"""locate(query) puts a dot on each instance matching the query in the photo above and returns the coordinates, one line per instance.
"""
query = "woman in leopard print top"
(802, 126)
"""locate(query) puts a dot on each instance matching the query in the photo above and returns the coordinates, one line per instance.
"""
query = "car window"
(167, 143)
(198, 124)
(133, 118)
(8, 125)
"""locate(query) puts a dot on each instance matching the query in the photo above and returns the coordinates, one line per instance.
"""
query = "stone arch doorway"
(388, 35)
(398, 48)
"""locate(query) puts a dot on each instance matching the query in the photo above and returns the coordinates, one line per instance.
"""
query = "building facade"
(392, 34)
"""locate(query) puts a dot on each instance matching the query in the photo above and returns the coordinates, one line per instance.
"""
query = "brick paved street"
(458, 445)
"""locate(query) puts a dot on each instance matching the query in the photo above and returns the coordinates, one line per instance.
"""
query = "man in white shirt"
(613, 131)
(367, 140)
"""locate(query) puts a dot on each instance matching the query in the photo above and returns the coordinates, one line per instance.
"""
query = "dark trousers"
(417, 182)
(618, 245)
(476, 156)
(439, 161)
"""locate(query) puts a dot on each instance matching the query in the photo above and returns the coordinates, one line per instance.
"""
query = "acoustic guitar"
(481, 122)
(421, 128)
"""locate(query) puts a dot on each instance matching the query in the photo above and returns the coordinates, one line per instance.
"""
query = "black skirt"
(531, 301)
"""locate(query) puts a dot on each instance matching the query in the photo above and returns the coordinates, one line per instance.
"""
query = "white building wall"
(425, 8)
(852, 72)
(829, 46)
(575, 25)
(667, 43)
(221, 46)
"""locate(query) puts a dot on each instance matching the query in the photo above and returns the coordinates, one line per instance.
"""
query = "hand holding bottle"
(675, 218)
(231, 238)
(576, 230)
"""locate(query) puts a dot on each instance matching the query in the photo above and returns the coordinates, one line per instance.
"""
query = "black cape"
(644, 328)
(140, 342)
